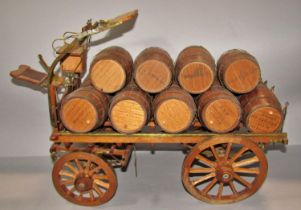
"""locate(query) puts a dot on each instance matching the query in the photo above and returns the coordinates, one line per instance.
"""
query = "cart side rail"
(153, 138)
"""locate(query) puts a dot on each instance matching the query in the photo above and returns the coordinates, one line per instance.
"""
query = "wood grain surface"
(130, 110)
(153, 70)
(174, 109)
(84, 109)
(75, 62)
(238, 71)
(195, 69)
(219, 109)
(111, 69)
(262, 111)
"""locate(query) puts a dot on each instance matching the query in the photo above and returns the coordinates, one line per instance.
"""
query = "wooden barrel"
(84, 109)
(153, 70)
(262, 111)
(238, 71)
(174, 109)
(195, 69)
(111, 69)
(218, 109)
(130, 110)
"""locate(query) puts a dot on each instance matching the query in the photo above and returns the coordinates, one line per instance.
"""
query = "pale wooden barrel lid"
(153, 76)
(265, 119)
(242, 76)
(128, 116)
(221, 115)
(196, 77)
(173, 115)
(108, 76)
(79, 115)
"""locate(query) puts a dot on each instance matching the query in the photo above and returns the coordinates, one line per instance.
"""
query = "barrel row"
(154, 71)
(174, 110)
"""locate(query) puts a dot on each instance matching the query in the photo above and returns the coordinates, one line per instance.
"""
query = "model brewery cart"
(218, 168)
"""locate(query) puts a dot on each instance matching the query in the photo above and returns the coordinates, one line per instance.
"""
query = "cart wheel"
(224, 170)
(84, 179)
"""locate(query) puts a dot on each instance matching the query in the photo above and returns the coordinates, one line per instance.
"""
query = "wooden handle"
(27, 74)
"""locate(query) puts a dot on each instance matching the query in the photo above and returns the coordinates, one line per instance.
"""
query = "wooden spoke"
(97, 190)
(246, 170)
(245, 162)
(71, 191)
(214, 153)
(65, 173)
(67, 182)
(233, 188)
(94, 170)
(81, 195)
(91, 194)
(87, 166)
(79, 166)
(228, 150)
(242, 181)
(209, 186)
(100, 177)
(203, 178)
(204, 160)
(220, 190)
(239, 153)
(86, 186)
(201, 170)
(227, 170)
(102, 184)
(72, 168)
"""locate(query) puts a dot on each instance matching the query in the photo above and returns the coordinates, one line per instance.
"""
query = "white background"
(270, 30)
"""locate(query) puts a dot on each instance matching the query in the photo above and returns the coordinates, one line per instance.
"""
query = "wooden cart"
(218, 168)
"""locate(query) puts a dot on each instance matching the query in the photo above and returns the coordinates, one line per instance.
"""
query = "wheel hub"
(224, 173)
(83, 184)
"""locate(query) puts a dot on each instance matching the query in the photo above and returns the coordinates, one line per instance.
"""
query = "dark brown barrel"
(238, 71)
(130, 110)
(218, 109)
(195, 69)
(174, 109)
(111, 69)
(84, 109)
(262, 111)
(153, 70)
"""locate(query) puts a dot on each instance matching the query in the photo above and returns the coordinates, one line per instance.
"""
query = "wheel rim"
(224, 170)
(84, 179)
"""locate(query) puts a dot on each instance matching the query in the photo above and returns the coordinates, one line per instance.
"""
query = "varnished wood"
(74, 64)
(199, 180)
(26, 73)
(239, 71)
(166, 138)
(76, 61)
(111, 69)
(153, 70)
(171, 113)
(174, 109)
(74, 176)
(262, 111)
(130, 110)
(84, 109)
(195, 69)
(218, 109)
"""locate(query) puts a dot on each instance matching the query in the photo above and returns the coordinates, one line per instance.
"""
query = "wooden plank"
(161, 137)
